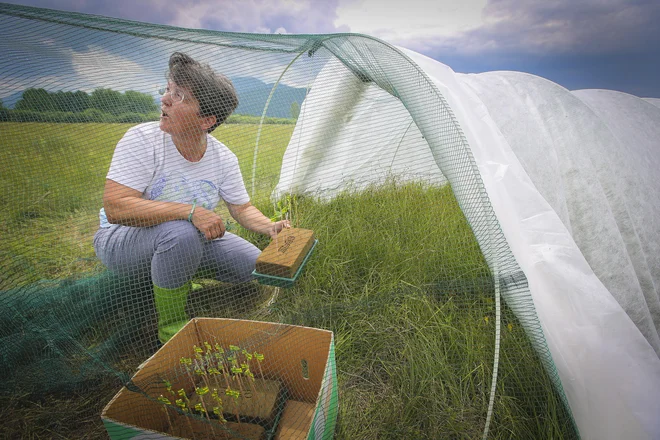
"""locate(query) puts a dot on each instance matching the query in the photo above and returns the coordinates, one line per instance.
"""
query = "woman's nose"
(166, 99)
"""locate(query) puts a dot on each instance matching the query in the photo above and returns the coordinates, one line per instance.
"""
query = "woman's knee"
(178, 237)
(177, 255)
(121, 251)
(243, 267)
(235, 258)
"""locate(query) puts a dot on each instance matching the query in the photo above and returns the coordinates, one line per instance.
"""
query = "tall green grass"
(399, 278)
(397, 275)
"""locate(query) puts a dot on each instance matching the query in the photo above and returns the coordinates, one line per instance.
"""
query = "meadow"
(411, 306)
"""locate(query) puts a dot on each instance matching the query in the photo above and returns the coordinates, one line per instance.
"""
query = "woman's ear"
(207, 122)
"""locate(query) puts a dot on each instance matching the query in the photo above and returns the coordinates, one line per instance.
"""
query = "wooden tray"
(285, 254)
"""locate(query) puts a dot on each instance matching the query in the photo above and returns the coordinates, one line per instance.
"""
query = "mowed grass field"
(397, 275)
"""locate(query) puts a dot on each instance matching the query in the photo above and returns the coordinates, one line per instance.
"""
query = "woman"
(164, 182)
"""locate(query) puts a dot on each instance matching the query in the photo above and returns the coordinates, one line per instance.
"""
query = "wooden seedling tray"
(282, 261)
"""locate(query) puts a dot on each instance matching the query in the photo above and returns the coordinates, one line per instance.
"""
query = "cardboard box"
(301, 359)
(285, 254)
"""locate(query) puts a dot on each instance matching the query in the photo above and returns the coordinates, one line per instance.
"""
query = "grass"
(414, 315)
(397, 275)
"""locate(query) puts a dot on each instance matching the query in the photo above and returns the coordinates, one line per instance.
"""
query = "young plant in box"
(260, 357)
(214, 371)
(217, 410)
(183, 404)
(245, 366)
(166, 404)
(200, 391)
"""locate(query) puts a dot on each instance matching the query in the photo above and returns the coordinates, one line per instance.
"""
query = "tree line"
(102, 105)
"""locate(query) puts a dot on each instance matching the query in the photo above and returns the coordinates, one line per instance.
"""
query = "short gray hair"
(214, 92)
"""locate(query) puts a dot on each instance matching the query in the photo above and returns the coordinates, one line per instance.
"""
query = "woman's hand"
(209, 223)
(251, 218)
(277, 227)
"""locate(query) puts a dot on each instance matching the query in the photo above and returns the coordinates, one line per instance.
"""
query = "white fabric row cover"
(570, 177)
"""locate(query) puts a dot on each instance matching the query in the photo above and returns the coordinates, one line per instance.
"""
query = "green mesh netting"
(434, 332)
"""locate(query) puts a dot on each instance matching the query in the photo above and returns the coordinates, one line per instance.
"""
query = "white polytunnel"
(570, 176)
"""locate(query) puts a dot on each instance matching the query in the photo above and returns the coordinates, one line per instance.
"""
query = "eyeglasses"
(175, 94)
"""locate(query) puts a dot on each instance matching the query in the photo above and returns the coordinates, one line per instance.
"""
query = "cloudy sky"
(579, 44)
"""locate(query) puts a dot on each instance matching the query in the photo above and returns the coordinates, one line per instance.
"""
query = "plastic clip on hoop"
(192, 211)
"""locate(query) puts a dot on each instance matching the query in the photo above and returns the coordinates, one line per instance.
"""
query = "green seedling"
(168, 387)
(166, 403)
(217, 410)
(260, 358)
(202, 372)
(222, 365)
(214, 373)
(282, 210)
(189, 364)
(245, 367)
(184, 405)
(184, 399)
(236, 371)
(235, 394)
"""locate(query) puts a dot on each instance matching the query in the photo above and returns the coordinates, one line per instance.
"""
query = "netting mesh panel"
(412, 287)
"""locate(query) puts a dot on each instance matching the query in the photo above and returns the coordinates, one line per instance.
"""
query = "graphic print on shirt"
(176, 187)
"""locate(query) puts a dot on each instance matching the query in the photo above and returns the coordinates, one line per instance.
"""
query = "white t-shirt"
(147, 160)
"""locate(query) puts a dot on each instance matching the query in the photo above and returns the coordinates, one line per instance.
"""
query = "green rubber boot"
(171, 309)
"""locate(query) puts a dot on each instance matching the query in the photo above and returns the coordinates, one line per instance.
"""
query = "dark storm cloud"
(563, 27)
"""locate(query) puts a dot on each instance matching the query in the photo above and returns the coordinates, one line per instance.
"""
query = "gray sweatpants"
(173, 252)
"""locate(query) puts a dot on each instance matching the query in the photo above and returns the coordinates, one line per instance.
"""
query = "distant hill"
(252, 96)
(11, 100)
